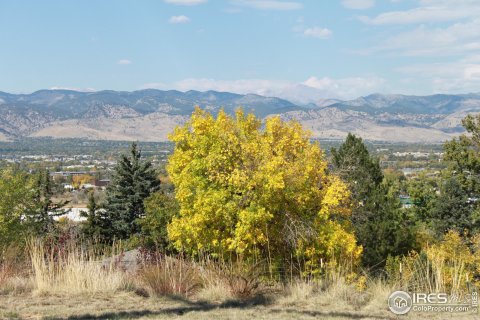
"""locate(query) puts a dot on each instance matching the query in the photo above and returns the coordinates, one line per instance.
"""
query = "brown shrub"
(170, 276)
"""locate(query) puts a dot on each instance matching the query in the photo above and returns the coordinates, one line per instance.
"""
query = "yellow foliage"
(250, 190)
(79, 180)
(448, 266)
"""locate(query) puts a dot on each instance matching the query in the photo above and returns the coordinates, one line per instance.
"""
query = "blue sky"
(302, 50)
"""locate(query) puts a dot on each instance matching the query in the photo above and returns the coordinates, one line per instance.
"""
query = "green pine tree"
(132, 182)
(42, 217)
(384, 228)
(454, 210)
(463, 156)
(353, 164)
(380, 224)
(92, 227)
(458, 206)
(422, 192)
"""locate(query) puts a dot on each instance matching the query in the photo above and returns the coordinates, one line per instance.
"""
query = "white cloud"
(428, 11)
(350, 87)
(358, 4)
(179, 19)
(242, 86)
(458, 38)
(269, 4)
(74, 89)
(432, 28)
(471, 72)
(310, 90)
(474, 58)
(124, 62)
(450, 77)
(186, 2)
(317, 32)
(311, 32)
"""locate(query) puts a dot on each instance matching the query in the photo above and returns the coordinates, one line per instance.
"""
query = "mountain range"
(149, 115)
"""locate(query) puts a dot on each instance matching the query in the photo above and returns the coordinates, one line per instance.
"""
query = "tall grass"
(444, 267)
(235, 279)
(13, 270)
(342, 294)
(299, 291)
(448, 266)
(6, 272)
(74, 271)
(170, 276)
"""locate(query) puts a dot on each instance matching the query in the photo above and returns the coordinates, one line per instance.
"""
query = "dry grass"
(16, 285)
(127, 305)
(14, 277)
(179, 287)
(6, 272)
(341, 294)
(299, 300)
(377, 293)
(298, 292)
(450, 266)
(170, 276)
(74, 271)
(216, 294)
(230, 279)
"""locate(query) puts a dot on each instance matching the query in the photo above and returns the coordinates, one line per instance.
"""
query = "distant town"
(76, 173)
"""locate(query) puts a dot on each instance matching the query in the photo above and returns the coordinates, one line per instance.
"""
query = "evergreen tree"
(458, 206)
(353, 164)
(463, 156)
(160, 208)
(380, 224)
(42, 217)
(92, 227)
(132, 182)
(454, 209)
(422, 192)
(384, 228)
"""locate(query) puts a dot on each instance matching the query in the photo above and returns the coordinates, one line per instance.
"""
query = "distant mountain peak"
(150, 114)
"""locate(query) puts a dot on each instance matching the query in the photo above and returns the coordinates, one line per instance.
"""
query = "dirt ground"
(128, 305)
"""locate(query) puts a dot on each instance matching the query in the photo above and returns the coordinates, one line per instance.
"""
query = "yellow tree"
(79, 180)
(256, 191)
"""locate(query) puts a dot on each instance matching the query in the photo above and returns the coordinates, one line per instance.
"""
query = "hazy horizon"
(219, 91)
